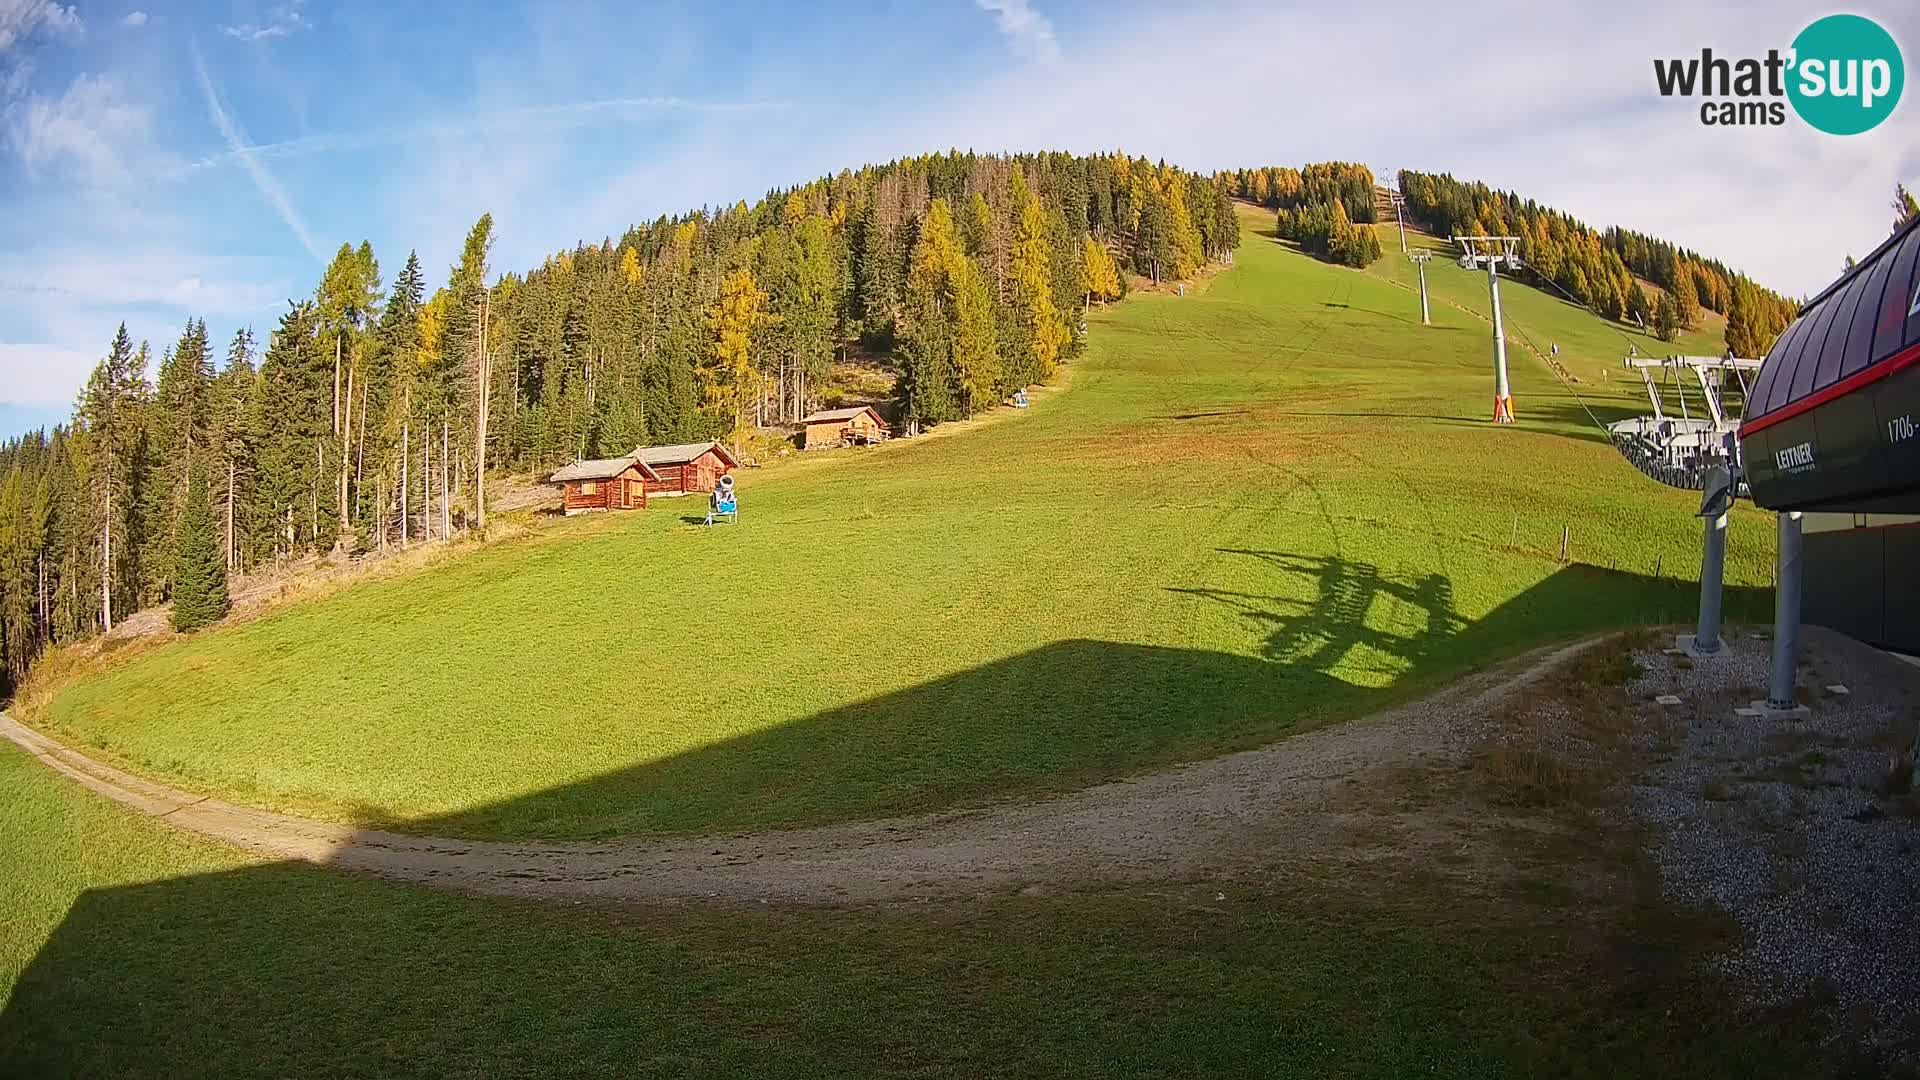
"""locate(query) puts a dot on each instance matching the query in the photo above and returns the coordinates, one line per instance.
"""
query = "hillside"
(1250, 511)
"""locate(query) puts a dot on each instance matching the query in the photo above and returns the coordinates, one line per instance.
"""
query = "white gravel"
(1786, 824)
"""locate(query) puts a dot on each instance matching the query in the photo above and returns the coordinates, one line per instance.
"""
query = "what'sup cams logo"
(1843, 75)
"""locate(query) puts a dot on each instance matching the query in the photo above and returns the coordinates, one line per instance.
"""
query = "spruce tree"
(199, 569)
(1666, 318)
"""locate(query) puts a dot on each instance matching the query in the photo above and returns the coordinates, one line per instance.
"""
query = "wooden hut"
(605, 484)
(686, 467)
(859, 425)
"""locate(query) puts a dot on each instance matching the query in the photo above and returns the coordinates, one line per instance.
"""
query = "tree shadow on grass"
(286, 969)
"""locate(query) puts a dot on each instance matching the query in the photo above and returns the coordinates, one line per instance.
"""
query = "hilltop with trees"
(1600, 268)
(1325, 208)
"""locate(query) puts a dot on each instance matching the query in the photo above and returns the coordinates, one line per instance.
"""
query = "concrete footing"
(1688, 645)
(1760, 709)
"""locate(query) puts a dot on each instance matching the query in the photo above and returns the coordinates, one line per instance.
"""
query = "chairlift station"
(1829, 439)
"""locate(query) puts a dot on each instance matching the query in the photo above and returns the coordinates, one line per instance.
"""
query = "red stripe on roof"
(1866, 376)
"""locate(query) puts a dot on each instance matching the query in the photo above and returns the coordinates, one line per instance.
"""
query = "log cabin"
(860, 424)
(605, 484)
(685, 467)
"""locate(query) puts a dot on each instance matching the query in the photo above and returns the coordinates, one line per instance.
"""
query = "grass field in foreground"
(129, 949)
(1255, 508)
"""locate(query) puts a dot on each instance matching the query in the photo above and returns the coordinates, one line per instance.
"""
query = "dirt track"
(1298, 806)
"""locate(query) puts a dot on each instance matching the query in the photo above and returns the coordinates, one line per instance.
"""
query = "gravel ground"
(1788, 825)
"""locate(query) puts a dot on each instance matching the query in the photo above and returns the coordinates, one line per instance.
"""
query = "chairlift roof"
(1830, 420)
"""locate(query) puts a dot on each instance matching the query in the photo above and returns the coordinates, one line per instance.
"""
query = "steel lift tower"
(1399, 216)
(1420, 259)
(1490, 252)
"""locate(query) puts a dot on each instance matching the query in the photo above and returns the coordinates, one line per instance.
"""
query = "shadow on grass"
(283, 968)
(1563, 417)
(1077, 711)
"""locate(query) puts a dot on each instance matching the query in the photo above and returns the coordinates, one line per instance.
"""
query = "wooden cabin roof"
(602, 469)
(827, 416)
(681, 453)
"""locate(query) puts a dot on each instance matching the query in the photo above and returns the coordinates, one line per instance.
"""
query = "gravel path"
(1787, 826)
(1255, 815)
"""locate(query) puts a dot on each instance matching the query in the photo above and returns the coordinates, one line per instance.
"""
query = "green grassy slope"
(128, 949)
(1254, 508)
(1591, 348)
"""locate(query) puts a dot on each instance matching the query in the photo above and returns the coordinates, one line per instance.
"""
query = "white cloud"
(1030, 32)
(281, 20)
(237, 144)
(39, 373)
(104, 279)
(19, 19)
(543, 119)
(20, 22)
(133, 20)
(88, 133)
(60, 306)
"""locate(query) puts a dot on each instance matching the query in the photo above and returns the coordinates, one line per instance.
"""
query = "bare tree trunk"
(360, 455)
(480, 424)
(426, 481)
(336, 384)
(406, 452)
(346, 443)
(230, 563)
(446, 510)
(106, 554)
(313, 495)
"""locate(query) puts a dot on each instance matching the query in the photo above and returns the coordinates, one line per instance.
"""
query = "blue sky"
(203, 159)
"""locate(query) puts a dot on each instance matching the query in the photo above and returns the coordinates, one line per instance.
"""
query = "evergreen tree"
(1639, 308)
(1666, 318)
(230, 439)
(199, 572)
(109, 417)
(926, 385)
(178, 427)
(1042, 333)
(1752, 322)
(1102, 275)
(1905, 206)
(729, 381)
(1686, 298)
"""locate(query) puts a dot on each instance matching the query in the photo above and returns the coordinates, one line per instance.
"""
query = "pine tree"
(1666, 318)
(1639, 308)
(926, 388)
(1686, 297)
(199, 571)
(109, 414)
(1905, 206)
(1102, 275)
(729, 381)
(178, 428)
(1042, 333)
(976, 351)
(230, 439)
(1183, 236)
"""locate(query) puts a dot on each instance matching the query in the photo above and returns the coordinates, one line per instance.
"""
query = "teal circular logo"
(1846, 74)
